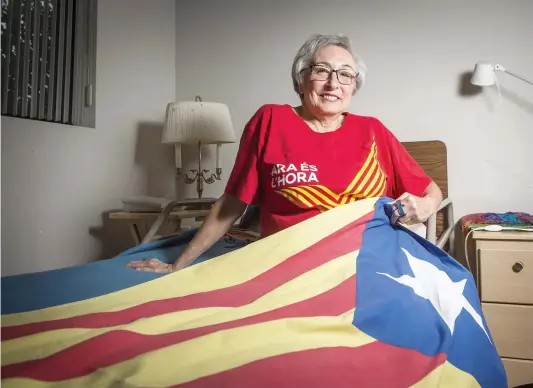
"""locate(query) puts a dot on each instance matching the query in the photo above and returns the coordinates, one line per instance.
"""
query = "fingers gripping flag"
(343, 299)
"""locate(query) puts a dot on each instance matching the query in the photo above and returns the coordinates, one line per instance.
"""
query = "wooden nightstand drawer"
(519, 372)
(506, 275)
(511, 327)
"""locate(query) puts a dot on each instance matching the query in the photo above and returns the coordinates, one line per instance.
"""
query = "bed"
(343, 299)
(51, 288)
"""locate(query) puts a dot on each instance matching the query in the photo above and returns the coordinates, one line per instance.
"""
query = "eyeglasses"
(323, 73)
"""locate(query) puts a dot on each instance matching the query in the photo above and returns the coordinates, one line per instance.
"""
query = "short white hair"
(306, 53)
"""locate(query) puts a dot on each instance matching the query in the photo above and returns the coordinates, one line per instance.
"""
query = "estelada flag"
(344, 299)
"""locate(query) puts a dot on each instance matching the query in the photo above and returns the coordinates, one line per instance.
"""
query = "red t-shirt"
(294, 173)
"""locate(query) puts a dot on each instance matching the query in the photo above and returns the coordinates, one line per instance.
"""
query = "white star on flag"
(435, 285)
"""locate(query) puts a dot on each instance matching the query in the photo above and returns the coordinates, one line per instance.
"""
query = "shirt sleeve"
(408, 175)
(244, 180)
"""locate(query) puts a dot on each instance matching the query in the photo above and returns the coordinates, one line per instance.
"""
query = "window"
(49, 60)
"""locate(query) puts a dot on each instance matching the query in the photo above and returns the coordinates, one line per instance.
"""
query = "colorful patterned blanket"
(515, 220)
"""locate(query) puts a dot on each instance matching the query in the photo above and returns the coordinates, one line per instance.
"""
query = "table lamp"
(200, 123)
(484, 74)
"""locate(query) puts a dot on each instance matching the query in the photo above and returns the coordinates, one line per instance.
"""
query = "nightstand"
(135, 219)
(504, 277)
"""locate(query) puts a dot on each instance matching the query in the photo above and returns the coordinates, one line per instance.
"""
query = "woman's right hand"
(225, 211)
(155, 265)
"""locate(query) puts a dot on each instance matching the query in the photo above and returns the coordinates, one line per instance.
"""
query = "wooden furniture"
(432, 157)
(136, 219)
(504, 275)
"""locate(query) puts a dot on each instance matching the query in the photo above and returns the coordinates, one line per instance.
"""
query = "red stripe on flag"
(117, 346)
(345, 240)
(373, 365)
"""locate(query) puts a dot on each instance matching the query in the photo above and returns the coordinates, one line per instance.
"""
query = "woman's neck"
(320, 123)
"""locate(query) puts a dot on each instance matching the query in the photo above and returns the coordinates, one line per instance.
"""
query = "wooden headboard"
(432, 157)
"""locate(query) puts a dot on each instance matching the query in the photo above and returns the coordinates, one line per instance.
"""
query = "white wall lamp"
(485, 74)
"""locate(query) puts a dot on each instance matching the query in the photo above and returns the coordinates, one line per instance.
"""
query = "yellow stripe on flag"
(447, 375)
(305, 286)
(217, 352)
(251, 261)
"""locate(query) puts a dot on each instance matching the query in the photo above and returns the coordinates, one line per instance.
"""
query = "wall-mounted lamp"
(484, 74)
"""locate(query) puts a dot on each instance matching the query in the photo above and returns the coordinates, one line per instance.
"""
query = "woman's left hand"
(412, 209)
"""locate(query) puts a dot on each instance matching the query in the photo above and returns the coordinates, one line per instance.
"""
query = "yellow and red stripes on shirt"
(369, 182)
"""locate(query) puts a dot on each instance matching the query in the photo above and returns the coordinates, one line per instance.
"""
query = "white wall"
(417, 52)
(58, 181)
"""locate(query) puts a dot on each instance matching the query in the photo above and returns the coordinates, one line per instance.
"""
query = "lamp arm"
(501, 68)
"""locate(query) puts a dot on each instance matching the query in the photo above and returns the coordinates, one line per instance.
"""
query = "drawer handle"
(518, 266)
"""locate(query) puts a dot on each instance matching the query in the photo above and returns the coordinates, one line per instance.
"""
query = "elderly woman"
(295, 162)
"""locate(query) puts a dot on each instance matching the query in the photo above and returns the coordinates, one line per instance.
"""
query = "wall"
(418, 54)
(59, 182)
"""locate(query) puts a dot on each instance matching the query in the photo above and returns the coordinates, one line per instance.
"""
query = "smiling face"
(328, 97)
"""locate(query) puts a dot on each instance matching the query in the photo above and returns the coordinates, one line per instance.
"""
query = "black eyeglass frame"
(331, 71)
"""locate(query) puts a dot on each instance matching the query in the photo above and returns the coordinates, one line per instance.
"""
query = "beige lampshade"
(190, 122)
